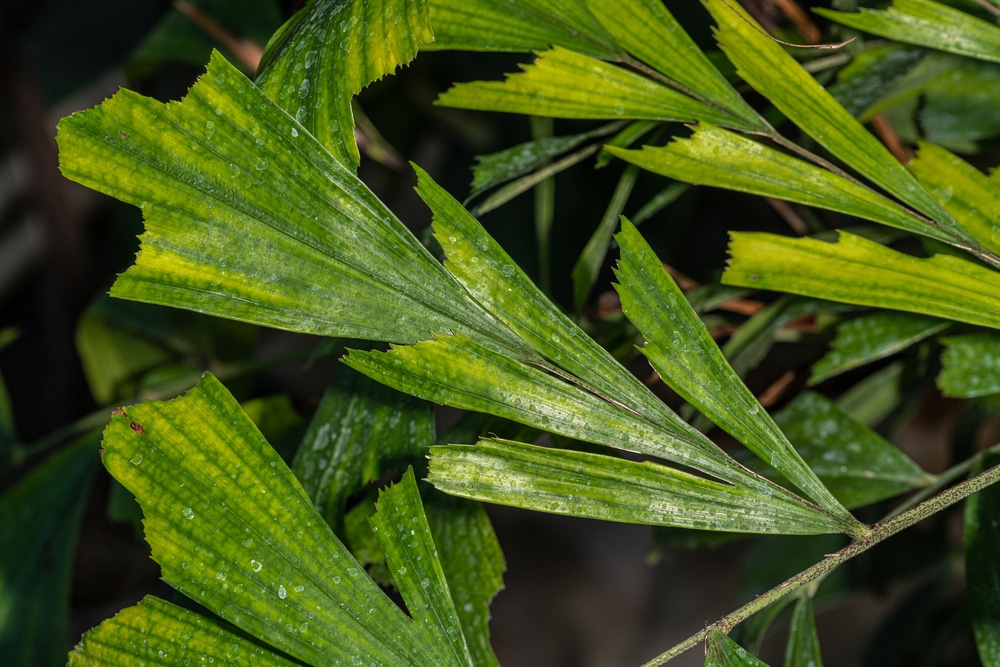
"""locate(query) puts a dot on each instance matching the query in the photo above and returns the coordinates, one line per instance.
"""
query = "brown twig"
(247, 52)
(887, 134)
(802, 22)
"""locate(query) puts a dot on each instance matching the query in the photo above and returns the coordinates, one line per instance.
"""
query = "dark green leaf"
(473, 564)
(970, 365)
(613, 489)
(249, 217)
(802, 648)
(680, 348)
(329, 51)
(855, 463)
(865, 339)
(401, 527)
(872, 74)
(588, 264)
(519, 25)
(927, 23)
(856, 270)
(360, 431)
(162, 633)
(717, 157)
(499, 167)
(982, 550)
(112, 355)
(566, 84)
(38, 527)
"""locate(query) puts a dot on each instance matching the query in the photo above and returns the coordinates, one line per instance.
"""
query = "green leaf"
(613, 489)
(856, 270)
(956, 108)
(459, 372)
(873, 75)
(496, 282)
(876, 336)
(565, 84)
(39, 520)
(159, 631)
(329, 51)
(519, 25)
(524, 158)
(929, 24)
(970, 365)
(681, 350)
(647, 30)
(872, 399)
(401, 527)
(855, 463)
(716, 157)
(233, 529)
(802, 648)
(473, 564)
(588, 264)
(962, 189)
(249, 217)
(763, 64)
(982, 549)
(360, 431)
(112, 355)
(724, 652)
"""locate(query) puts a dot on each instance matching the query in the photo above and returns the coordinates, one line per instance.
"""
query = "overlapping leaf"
(232, 529)
(360, 430)
(927, 23)
(519, 25)
(763, 64)
(613, 489)
(401, 528)
(873, 337)
(566, 84)
(326, 53)
(680, 348)
(249, 217)
(855, 463)
(647, 30)
(495, 281)
(716, 157)
(856, 270)
(962, 189)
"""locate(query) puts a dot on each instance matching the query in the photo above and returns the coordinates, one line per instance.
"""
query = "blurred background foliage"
(579, 593)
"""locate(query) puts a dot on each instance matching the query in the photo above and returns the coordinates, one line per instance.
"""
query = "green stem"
(163, 391)
(879, 532)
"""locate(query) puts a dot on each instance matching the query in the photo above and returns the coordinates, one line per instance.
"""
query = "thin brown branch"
(246, 51)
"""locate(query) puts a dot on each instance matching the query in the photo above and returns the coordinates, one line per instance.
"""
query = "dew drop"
(209, 129)
(295, 132)
(261, 164)
(188, 513)
(234, 170)
(281, 592)
(136, 460)
(255, 565)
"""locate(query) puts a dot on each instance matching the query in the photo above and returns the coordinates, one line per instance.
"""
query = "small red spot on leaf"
(136, 427)
(117, 411)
